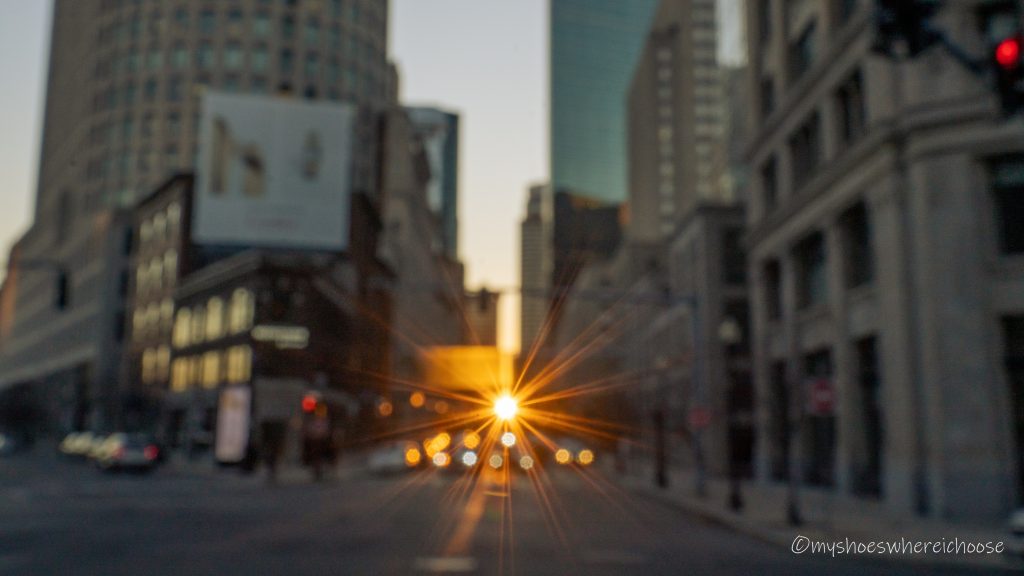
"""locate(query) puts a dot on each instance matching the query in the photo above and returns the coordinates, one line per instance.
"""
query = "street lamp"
(730, 333)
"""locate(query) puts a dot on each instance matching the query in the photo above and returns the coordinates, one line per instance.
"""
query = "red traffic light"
(1008, 53)
(309, 403)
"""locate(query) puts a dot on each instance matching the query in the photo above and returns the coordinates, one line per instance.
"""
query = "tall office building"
(675, 109)
(594, 47)
(121, 114)
(439, 132)
(536, 265)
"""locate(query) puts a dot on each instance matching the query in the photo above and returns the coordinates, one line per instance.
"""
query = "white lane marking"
(451, 565)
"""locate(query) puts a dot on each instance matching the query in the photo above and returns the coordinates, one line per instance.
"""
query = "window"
(286, 62)
(261, 25)
(242, 311)
(802, 53)
(197, 334)
(312, 32)
(805, 149)
(148, 366)
(769, 185)
(780, 422)
(260, 59)
(166, 313)
(312, 66)
(812, 276)
(233, 56)
(174, 90)
(204, 57)
(1013, 346)
(734, 264)
(867, 473)
(211, 370)
(1008, 192)
(820, 438)
(181, 375)
(214, 318)
(163, 363)
(851, 108)
(773, 289)
(858, 267)
(767, 97)
(239, 364)
(182, 329)
(207, 22)
(179, 58)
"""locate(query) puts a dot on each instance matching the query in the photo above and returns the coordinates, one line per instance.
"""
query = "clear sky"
(486, 59)
(24, 35)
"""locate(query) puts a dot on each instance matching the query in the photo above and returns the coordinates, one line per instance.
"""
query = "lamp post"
(660, 433)
(730, 334)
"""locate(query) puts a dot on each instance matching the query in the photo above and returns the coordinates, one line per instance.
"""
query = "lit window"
(242, 311)
(182, 328)
(239, 364)
(148, 365)
(197, 335)
(171, 267)
(163, 362)
(181, 375)
(211, 370)
(214, 318)
(166, 313)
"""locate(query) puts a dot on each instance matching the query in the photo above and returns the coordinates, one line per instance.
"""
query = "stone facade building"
(886, 262)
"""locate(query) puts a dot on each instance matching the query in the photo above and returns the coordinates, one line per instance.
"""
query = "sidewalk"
(826, 518)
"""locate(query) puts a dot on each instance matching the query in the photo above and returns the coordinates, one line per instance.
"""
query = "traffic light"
(904, 22)
(309, 402)
(1008, 71)
(62, 290)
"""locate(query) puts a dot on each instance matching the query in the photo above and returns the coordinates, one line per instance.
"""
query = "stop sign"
(822, 400)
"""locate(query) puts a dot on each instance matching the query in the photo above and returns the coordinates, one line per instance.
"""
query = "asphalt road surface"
(66, 518)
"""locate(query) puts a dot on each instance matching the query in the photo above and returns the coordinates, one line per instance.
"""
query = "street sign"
(700, 418)
(821, 399)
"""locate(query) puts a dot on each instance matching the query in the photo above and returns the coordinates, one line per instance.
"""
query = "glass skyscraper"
(594, 47)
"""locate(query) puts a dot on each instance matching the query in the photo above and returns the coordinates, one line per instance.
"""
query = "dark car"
(128, 451)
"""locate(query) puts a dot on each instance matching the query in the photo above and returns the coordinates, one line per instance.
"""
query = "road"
(65, 518)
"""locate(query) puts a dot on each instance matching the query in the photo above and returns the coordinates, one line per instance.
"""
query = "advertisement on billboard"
(273, 172)
(233, 424)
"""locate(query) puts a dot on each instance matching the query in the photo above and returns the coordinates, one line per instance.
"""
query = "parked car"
(122, 451)
(395, 457)
(77, 444)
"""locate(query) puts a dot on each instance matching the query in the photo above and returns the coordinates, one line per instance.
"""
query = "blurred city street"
(62, 517)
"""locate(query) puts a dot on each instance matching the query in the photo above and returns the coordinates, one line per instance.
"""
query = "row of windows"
(806, 144)
(810, 261)
(156, 364)
(208, 22)
(153, 319)
(161, 226)
(211, 369)
(214, 320)
(158, 273)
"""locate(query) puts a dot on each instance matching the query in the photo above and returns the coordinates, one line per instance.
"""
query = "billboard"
(273, 172)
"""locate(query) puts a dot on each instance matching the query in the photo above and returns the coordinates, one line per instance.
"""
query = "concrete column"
(895, 346)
